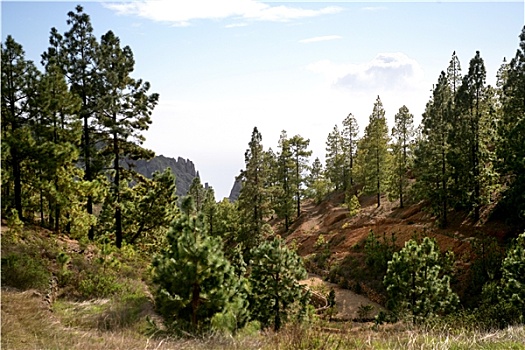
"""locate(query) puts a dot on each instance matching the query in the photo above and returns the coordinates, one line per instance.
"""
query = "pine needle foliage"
(416, 282)
(195, 281)
(276, 296)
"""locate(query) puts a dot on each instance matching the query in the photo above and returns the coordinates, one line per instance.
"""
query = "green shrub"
(378, 254)
(98, 285)
(417, 283)
(363, 311)
(352, 203)
(513, 279)
(22, 271)
(485, 268)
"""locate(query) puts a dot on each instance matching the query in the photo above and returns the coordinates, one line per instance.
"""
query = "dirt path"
(347, 302)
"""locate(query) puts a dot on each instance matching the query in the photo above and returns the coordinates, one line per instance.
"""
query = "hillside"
(99, 303)
(341, 259)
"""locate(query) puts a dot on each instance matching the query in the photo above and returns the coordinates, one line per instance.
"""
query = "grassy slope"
(119, 320)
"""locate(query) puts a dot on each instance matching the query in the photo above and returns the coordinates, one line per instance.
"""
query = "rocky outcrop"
(236, 190)
(183, 169)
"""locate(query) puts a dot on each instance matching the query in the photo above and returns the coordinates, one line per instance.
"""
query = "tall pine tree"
(300, 155)
(511, 149)
(432, 151)
(335, 158)
(473, 103)
(285, 185)
(19, 81)
(124, 110)
(254, 203)
(350, 139)
(403, 134)
(376, 160)
(79, 47)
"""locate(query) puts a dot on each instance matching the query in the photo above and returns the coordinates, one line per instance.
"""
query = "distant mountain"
(183, 169)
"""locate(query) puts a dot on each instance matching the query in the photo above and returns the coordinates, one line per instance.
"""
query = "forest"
(72, 127)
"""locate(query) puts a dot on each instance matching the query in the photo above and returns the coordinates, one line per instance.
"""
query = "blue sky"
(222, 67)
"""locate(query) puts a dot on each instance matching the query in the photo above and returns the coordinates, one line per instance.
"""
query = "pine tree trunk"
(276, 309)
(17, 179)
(88, 176)
(51, 215)
(118, 213)
(444, 183)
(401, 191)
(298, 180)
(195, 300)
(477, 191)
(57, 218)
(378, 179)
(42, 220)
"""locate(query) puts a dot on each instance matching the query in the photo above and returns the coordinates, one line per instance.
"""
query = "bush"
(22, 271)
(379, 254)
(276, 294)
(98, 285)
(352, 203)
(485, 268)
(416, 283)
(513, 279)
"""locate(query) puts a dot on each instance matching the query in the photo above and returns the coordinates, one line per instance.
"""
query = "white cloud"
(181, 13)
(236, 25)
(387, 71)
(320, 38)
(374, 8)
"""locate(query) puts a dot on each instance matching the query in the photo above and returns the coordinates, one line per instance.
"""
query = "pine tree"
(285, 185)
(454, 74)
(19, 77)
(149, 207)
(511, 131)
(513, 279)
(124, 111)
(403, 134)
(254, 203)
(196, 282)
(432, 151)
(274, 284)
(59, 133)
(473, 102)
(317, 186)
(375, 141)
(335, 158)
(227, 224)
(197, 192)
(350, 139)
(209, 209)
(272, 183)
(78, 57)
(416, 282)
(300, 154)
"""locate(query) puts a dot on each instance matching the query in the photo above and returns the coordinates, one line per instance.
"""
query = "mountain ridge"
(183, 169)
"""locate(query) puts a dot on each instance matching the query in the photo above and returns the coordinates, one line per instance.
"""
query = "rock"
(183, 169)
(236, 190)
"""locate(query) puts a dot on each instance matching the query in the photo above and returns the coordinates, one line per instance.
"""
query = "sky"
(223, 67)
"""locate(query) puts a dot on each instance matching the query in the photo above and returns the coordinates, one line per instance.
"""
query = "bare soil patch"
(347, 302)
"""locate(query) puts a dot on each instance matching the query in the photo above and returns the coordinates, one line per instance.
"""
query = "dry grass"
(28, 324)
